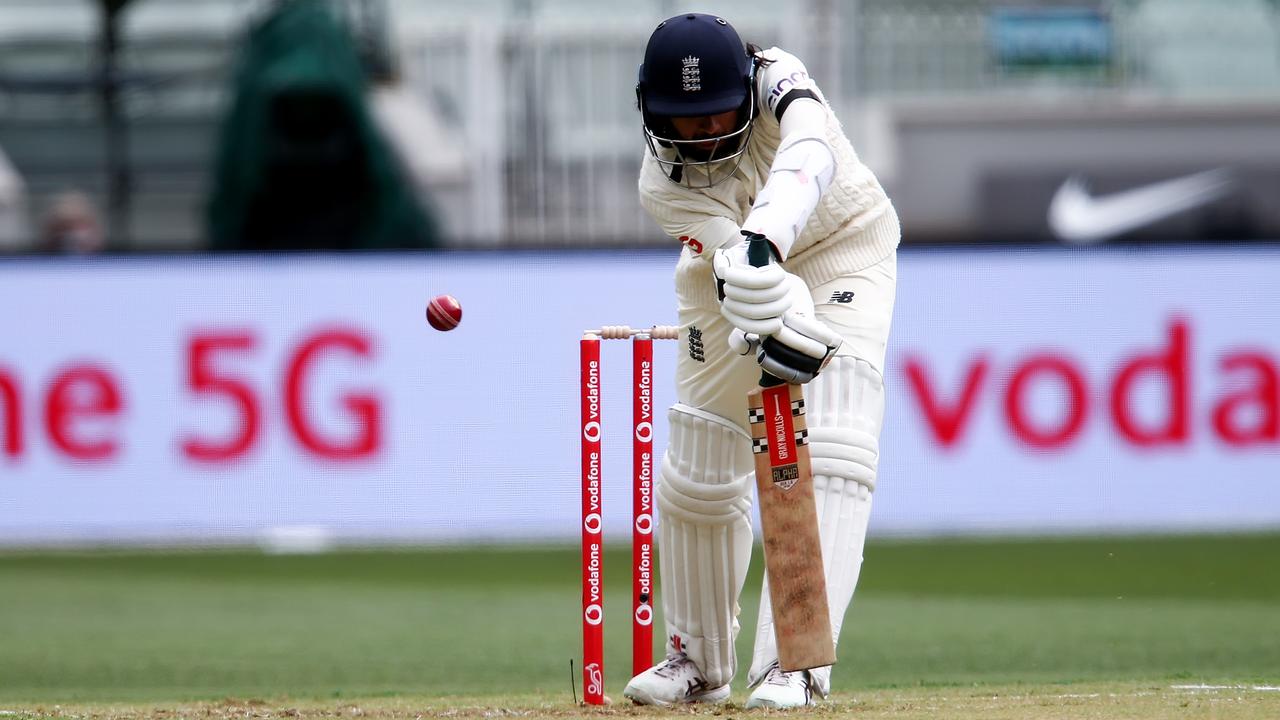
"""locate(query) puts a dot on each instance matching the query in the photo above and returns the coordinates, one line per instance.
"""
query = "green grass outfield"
(482, 627)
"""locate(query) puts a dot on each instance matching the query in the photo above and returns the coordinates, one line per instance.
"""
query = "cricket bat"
(789, 517)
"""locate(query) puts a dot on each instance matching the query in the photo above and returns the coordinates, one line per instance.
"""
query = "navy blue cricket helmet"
(695, 65)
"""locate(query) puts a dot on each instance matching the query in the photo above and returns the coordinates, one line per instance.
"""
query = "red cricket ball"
(444, 312)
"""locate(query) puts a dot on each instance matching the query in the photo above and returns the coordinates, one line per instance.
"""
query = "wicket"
(641, 503)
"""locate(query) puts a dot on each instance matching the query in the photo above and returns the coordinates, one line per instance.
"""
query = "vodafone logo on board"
(1151, 397)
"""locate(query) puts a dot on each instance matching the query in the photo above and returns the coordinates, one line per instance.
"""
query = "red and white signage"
(227, 400)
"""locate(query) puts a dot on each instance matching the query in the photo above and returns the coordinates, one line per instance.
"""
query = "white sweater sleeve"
(805, 162)
(700, 221)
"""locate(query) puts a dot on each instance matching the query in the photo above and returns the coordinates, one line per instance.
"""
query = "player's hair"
(756, 53)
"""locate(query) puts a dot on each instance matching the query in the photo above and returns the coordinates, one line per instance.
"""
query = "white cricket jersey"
(852, 228)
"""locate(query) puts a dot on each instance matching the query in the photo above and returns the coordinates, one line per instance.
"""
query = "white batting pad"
(845, 408)
(704, 537)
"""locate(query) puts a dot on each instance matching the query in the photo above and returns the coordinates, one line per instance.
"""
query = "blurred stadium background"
(1081, 456)
(523, 127)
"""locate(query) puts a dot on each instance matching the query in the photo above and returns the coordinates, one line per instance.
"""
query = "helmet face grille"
(702, 162)
(695, 65)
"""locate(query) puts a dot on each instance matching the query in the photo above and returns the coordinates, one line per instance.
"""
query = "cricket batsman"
(741, 142)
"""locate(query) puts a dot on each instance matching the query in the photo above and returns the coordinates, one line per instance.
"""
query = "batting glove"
(753, 299)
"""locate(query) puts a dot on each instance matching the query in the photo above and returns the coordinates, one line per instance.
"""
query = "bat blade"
(789, 520)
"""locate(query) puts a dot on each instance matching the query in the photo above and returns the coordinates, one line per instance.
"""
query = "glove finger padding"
(742, 343)
(761, 311)
(755, 295)
(807, 335)
(782, 370)
(798, 292)
(800, 350)
(752, 299)
(753, 278)
(754, 326)
(754, 311)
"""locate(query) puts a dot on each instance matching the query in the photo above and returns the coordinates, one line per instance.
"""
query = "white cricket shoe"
(673, 681)
(782, 690)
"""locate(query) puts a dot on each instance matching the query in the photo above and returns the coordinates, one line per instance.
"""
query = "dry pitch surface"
(1111, 701)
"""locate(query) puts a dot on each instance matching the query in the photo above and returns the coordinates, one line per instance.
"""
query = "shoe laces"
(680, 668)
(674, 666)
(776, 676)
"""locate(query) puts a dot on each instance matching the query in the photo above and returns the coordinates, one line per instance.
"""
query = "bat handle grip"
(758, 254)
(767, 380)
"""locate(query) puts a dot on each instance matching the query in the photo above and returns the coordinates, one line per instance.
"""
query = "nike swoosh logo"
(1078, 218)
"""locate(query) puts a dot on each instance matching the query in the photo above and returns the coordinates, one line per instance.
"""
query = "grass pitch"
(1076, 702)
(1107, 628)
